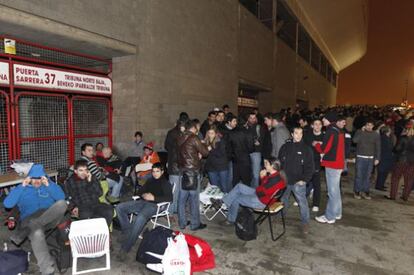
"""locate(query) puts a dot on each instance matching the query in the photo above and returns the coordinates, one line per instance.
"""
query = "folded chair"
(273, 208)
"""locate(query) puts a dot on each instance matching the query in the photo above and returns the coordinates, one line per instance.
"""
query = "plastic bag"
(22, 168)
(176, 259)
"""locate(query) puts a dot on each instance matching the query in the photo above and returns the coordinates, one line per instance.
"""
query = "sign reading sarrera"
(39, 77)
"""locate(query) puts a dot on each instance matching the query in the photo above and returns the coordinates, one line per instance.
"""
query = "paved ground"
(373, 237)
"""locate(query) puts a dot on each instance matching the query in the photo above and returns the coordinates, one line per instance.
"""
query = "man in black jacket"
(257, 133)
(171, 147)
(157, 189)
(241, 145)
(297, 162)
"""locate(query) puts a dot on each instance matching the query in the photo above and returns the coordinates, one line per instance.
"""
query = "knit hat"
(149, 145)
(331, 116)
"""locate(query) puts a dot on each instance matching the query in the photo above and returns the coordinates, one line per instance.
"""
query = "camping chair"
(211, 191)
(162, 211)
(272, 209)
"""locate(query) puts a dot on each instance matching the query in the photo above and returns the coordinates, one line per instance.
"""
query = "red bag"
(201, 255)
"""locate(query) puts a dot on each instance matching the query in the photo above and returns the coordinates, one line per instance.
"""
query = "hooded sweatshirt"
(30, 199)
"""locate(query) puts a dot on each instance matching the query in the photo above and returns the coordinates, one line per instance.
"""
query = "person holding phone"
(84, 191)
(42, 207)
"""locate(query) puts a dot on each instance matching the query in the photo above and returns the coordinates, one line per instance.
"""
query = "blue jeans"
(220, 179)
(334, 205)
(193, 197)
(241, 195)
(174, 179)
(363, 170)
(116, 186)
(256, 160)
(144, 210)
(300, 194)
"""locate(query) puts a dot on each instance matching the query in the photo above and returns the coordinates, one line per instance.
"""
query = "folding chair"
(272, 209)
(211, 191)
(162, 211)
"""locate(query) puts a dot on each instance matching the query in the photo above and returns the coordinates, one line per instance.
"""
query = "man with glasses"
(42, 206)
(157, 189)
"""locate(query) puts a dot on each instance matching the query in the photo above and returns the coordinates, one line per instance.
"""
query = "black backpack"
(154, 241)
(246, 228)
(13, 262)
(60, 246)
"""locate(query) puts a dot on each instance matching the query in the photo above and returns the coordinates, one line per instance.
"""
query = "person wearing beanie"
(42, 206)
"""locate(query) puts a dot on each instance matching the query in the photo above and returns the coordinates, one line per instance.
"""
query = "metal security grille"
(90, 121)
(4, 134)
(43, 129)
(41, 53)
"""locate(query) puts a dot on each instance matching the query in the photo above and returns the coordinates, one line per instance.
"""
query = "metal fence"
(4, 133)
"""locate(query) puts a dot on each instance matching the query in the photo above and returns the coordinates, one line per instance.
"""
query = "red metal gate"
(43, 129)
(91, 121)
(51, 128)
(5, 133)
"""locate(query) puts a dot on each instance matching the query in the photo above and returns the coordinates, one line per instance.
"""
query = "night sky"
(380, 76)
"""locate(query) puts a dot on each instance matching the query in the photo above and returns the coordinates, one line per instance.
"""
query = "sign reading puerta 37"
(40, 77)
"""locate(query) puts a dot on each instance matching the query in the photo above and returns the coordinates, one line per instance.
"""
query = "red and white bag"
(176, 259)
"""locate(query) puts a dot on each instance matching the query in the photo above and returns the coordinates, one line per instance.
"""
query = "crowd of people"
(249, 157)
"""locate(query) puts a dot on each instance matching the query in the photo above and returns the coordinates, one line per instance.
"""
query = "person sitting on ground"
(100, 173)
(271, 181)
(156, 190)
(84, 191)
(150, 156)
(42, 207)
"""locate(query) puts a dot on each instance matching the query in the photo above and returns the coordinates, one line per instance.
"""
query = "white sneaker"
(338, 217)
(315, 209)
(295, 203)
(323, 219)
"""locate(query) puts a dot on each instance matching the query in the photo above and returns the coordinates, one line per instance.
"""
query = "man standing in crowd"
(211, 119)
(333, 158)
(368, 154)
(84, 191)
(257, 133)
(241, 145)
(42, 205)
(267, 139)
(315, 135)
(87, 155)
(296, 160)
(226, 131)
(171, 147)
(279, 135)
(190, 151)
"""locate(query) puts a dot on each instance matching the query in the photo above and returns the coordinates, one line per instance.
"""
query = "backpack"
(60, 245)
(13, 262)
(154, 241)
(245, 225)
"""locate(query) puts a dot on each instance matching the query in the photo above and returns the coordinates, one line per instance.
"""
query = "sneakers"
(295, 203)
(200, 227)
(315, 209)
(366, 196)
(338, 217)
(323, 219)
(357, 195)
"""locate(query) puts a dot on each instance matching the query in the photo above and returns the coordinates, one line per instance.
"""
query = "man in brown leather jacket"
(190, 151)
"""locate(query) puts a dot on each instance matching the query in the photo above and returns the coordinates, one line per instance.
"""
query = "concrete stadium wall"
(190, 57)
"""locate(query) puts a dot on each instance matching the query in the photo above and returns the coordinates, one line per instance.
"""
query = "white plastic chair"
(89, 239)
(163, 210)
